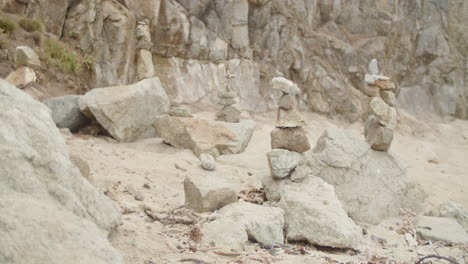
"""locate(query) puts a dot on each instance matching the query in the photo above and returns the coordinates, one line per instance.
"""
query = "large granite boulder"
(313, 213)
(371, 185)
(49, 213)
(201, 135)
(127, 112)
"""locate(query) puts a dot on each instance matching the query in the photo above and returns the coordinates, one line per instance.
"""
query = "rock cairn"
(177, 109)
(145, 66)
(289, 133)
(229, 100)
(381, 122)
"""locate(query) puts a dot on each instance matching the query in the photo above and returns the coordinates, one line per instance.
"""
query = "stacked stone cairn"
(382, 119)
(229, 100)
(145, 66)
(289, 133)
(177, 109)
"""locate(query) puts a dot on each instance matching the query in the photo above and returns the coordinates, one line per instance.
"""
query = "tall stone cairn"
(289, 133)
(229, 100)
(145, 66)
(382, 120)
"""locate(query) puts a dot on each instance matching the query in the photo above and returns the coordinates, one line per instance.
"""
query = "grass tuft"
(7, 26)
(60, 55)
(30, 25)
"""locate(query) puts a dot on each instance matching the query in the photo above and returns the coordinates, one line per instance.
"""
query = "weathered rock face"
(371, 185)
(107, 30)
(239, 222)
(66, 112)
(201, 135)
(127, 112)
(48, 212)
(421, 43)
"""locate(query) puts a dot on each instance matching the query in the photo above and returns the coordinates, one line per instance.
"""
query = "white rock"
(241, 221)
(25, 56)
(440, 228)
(370, 79)
(22, 77)
(373, 67)
(127, 112)
(282, 162)
(284, 85)
(314, 213)
(49, 212)
(207, 161)
(209, 192)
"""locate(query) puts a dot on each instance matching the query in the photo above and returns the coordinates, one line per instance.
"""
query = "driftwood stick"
(198, 261)
(229, 254)
(163, 217)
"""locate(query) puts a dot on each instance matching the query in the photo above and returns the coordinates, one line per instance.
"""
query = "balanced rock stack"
(145, 66)
(381, 122)
(228, 99)
(177, 109)
(289, 133)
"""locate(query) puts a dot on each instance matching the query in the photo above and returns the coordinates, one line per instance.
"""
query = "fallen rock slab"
(127, 112)
(313, 213)
(209, 192)
(49, 213)
(66, 112)
(441, 229)
(371, 185)
(239, 222)
(202, 135)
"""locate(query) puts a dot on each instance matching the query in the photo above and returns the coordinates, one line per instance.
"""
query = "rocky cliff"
(324, 46)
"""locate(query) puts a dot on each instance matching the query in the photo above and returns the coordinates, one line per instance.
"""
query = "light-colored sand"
(436, 155)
